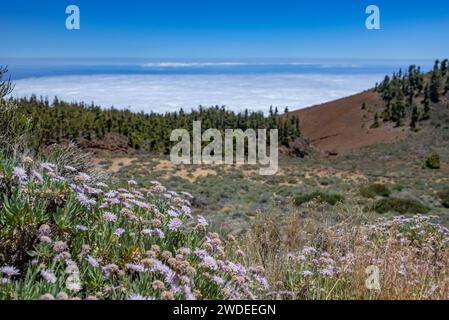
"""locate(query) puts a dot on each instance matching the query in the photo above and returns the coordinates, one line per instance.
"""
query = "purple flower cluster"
(174, 224)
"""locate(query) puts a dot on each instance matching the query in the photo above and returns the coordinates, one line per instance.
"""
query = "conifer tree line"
(410, 96)
(58, 120)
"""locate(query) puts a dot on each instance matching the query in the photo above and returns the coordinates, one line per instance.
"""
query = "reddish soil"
(342, 125)
(111, 143)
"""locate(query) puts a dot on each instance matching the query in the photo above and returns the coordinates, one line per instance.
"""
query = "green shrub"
(66, 236)
(375, 189)
(401, 206)
(329, 198)
(444, 196)
(433, 161)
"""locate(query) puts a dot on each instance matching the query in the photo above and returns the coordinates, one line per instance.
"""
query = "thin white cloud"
(161, 93)
(243, 64)
(192, 64)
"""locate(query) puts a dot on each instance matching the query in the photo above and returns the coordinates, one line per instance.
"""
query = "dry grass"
(325, 255)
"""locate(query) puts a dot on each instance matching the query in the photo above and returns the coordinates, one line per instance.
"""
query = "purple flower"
(9, 271)
(218, 280)
(132, 217)
(135, 267)
(140, 204)
(85, 201)
(48, 276)
(158, 266)
(48, 166)
(20, 174)
(57, 179)
(210, 262)
(93, 262)
(262, 280)
(102, 185)
(82, 228)
(138, 193)
(37, 176)
(174, 224)
(113, 200)
(108, 269)
(4, 280)
(136, 296)
(186, 210)
(237, 268)
(111, 194)
(328, 272)
(187, 194)
(44, 230)
(159, 233)
(91, 190)
(173, 213)
(308, 250)
(132, 182)
(188, 295)
(59, 246)
(104, 206)
(76, 188)
(202, 221)
(201, 253)
(118, 232)
(148, 232)
(109, 217)
(85, 176)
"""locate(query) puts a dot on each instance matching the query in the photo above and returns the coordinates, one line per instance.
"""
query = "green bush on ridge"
(433, 161)
(401, 206)
(375, 189)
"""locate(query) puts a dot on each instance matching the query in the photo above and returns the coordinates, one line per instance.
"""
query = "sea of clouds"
(161, 93)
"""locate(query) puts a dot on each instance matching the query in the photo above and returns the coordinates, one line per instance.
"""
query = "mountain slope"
(342, 125)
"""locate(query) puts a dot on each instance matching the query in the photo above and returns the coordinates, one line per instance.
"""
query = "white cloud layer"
(161, 93)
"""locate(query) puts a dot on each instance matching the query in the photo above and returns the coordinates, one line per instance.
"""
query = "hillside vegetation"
(58, 121)
(68, 231)
(410, 97)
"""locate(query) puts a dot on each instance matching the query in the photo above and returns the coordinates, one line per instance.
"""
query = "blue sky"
(225, 29)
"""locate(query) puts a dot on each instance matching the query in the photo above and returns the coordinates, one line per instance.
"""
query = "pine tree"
(386, 115)
(426, 102)
(435, 83)
(446, 86)
(376, 121)
(444, 67)
(415, 116)
(398, 110)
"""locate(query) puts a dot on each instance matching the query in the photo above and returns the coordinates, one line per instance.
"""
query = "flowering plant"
(74, 238)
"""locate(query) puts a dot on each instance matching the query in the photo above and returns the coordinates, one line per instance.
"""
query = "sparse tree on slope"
(435, 83)
(415, 116)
